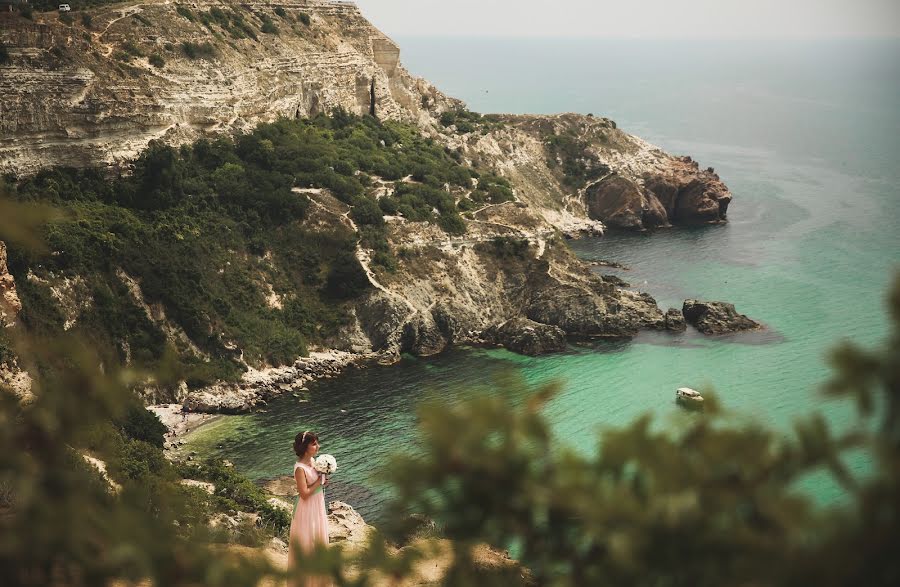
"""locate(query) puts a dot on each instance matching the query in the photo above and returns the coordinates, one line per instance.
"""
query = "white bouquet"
(325, 464)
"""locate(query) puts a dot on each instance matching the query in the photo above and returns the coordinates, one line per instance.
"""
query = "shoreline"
(179, 423)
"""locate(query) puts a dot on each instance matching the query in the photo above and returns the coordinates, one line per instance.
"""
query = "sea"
(807, 136)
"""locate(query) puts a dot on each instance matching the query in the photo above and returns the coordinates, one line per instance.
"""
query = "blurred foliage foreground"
(712, 502)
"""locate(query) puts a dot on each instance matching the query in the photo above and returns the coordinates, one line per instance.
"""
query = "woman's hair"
(302, 442)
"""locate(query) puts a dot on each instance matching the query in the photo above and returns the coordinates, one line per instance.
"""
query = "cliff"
(76, 95)
(81, 96)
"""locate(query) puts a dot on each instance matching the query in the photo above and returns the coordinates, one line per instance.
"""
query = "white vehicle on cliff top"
(65, 8)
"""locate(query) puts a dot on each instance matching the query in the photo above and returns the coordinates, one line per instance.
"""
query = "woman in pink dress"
(309, 528)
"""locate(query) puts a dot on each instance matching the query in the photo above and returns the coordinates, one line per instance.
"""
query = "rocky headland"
(83, 96)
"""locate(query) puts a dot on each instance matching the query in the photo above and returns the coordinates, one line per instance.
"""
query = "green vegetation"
(132, 49)
(571, 155)
(492, 189)
(86, 20)
(206, 230)
(229, 20)
(157, 61)
(234, 492)
(205, 50)
(507, 247)
(66, 18)
(268, 26)
(186, 13)
(4, 54)
(280, 11)
(467, 121)
(304, 18)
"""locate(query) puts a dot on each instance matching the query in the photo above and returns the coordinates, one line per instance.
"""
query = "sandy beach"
(180, 423)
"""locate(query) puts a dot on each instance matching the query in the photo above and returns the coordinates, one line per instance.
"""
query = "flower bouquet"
(325, 465)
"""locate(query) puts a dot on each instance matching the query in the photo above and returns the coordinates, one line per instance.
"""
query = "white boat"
(688, 397)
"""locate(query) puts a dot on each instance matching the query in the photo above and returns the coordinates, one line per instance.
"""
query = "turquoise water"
(807, 135)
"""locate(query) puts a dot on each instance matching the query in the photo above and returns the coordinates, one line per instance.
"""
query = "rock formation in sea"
(716, 317)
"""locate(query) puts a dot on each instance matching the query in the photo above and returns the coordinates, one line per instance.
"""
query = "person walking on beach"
(309, 527)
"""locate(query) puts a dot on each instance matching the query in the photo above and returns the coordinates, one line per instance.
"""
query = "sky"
(642, 19)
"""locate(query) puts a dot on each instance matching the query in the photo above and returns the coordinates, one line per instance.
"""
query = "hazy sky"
(638, 18)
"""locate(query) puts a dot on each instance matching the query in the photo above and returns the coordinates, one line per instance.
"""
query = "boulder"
(622, 203)
(716, 317)
(675, 320)
(527, 337)
(687, 194)
(346, 525)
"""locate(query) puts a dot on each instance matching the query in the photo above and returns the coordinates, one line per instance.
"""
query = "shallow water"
(807, 136)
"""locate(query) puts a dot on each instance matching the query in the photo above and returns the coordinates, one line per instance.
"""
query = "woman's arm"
(305, 489)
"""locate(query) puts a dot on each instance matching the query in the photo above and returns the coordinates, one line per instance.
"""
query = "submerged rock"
(716, 317)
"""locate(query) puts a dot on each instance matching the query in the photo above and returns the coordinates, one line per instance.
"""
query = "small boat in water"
(689, 398)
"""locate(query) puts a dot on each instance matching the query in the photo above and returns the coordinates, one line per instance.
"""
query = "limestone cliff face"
(79, 96)
(82, 96)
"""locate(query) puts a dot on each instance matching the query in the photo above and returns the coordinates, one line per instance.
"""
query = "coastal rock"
(258, 386)
(716, 317)
(527, 337)
(689, 195)
(675, 320)
(345, 525)
(422, 336)
(615, 280)
(620, 202)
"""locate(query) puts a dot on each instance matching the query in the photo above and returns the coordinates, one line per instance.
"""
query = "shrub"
(66, 18)
(268, 26)
(304, 18)
(452, 223)
(280, 11)
(366, 211)
(579, 164)
(186, 13)
(198, 50)
(132, 49)
(508, 247)
(86, 19)
(4, 54)
(347, 279)
(157, 61)
(139, 423)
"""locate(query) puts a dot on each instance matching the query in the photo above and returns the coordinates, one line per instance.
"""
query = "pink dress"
(310, 524)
